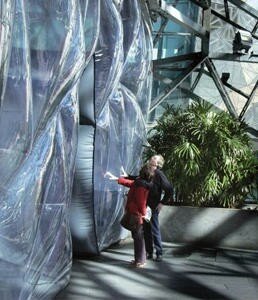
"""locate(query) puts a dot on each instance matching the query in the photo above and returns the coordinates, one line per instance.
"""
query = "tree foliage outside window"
(209, 158)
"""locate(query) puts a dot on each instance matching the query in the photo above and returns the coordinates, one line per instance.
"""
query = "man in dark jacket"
(152, 235)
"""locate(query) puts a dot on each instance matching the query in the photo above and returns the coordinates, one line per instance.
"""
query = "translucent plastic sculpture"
(122, 90)
(43, 54)
(49, 50)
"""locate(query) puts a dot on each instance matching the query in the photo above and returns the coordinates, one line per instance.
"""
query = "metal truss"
(249, 99)
(242, 6)
(197, 61)
(220, 87)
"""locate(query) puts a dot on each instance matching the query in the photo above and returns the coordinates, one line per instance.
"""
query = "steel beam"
(172, 86)
(166, 62)
(255, 28)
(221, 88)
(226, 9)
(207, 27)
(169, 68)
(197, 79)
(161, 29)
(252, 131)
(203, 4)
(215, 13)
(246, 8)
(248, 101)
(236, 90)
(243, 58)
(172, 13)
(192, 95)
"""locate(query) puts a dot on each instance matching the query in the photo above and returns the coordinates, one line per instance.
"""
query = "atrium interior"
(82, 83)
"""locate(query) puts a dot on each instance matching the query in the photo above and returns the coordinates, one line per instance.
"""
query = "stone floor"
(184, 274)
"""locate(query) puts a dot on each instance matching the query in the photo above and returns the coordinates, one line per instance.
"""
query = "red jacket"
(137, 196)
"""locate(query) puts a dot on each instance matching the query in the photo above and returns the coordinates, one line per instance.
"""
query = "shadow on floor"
(193, 274)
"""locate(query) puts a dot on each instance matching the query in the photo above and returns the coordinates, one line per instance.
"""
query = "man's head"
(156, 161)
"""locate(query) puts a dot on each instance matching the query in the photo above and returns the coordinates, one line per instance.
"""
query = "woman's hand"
(110, 176)
(124, 174)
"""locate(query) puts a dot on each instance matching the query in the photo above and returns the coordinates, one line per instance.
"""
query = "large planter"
(210, 227)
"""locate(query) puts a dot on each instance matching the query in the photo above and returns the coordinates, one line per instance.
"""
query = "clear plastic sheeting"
(136, 74)
(122, 91)
(42, 56)
(46, 47)
(122, 78)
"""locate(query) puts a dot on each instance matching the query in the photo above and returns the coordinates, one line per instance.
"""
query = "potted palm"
(208, 155)
(210, 162)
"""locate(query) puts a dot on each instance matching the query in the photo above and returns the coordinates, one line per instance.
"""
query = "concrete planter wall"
(210, 227)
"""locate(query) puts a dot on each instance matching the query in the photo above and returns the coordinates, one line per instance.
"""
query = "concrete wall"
(210, 227)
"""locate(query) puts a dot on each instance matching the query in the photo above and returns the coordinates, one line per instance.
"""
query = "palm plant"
(208, 155)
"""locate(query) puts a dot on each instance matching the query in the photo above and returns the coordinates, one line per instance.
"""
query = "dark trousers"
(152, 235)
(139, 245)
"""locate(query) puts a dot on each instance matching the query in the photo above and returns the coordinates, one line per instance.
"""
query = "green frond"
(208, 154)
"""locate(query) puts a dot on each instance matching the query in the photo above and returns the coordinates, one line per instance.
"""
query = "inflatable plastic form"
(122, 90)
(43, 54)
(47, 50)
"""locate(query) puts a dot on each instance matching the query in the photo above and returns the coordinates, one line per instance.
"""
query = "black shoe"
(149, 256)
(158, 258)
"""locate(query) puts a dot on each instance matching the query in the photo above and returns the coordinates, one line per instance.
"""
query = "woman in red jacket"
(137, 204)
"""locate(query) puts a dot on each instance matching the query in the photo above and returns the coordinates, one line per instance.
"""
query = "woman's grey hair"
(159, 159)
